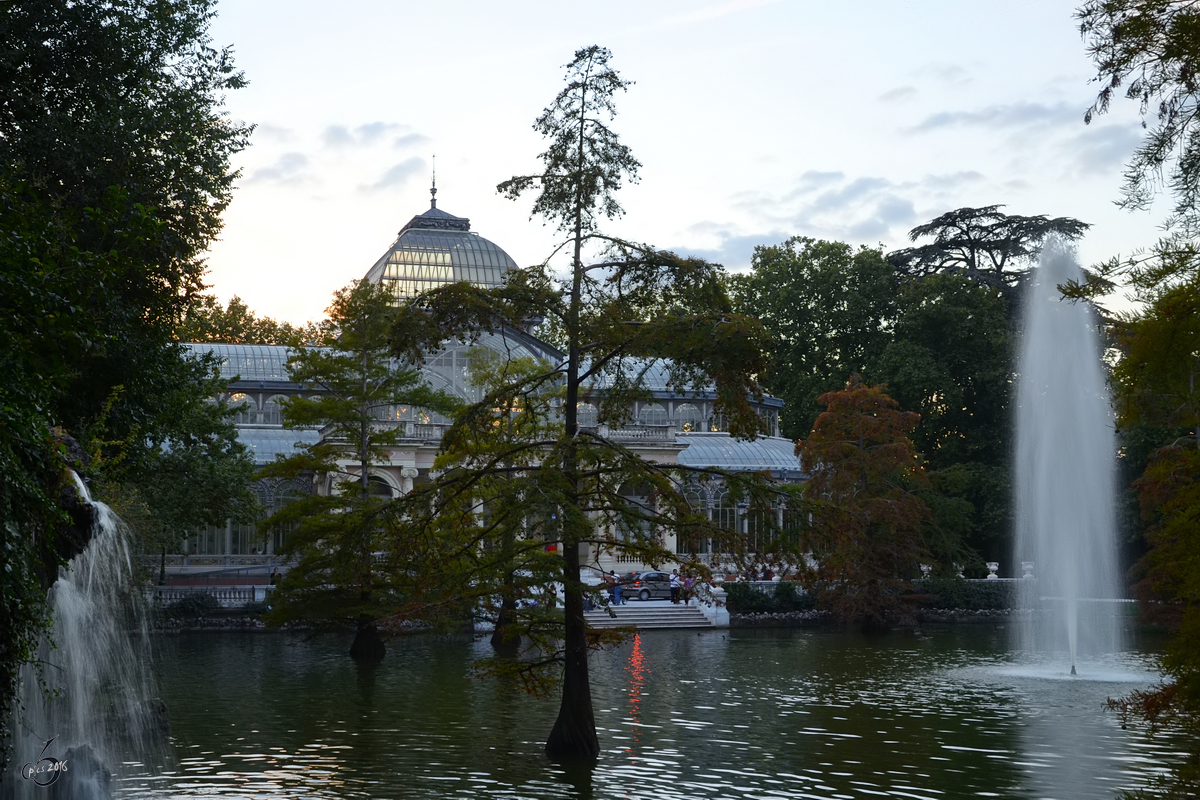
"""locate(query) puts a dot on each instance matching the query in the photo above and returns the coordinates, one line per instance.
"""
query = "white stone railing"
(226, 596)
(246, 560)
(640, 435)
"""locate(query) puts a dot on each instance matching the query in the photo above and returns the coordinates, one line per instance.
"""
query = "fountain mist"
(1065, 471)
(96, 695)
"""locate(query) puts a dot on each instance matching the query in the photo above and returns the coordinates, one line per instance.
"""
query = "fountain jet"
(1065, 471)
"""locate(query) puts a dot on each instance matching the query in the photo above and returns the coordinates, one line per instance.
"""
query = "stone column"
(407, 475)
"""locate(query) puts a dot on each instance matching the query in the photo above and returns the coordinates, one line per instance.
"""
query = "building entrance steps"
(646, 614)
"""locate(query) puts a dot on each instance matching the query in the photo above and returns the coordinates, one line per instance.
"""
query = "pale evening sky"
(754, 121)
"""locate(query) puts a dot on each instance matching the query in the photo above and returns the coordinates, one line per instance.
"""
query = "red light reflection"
(638, 670)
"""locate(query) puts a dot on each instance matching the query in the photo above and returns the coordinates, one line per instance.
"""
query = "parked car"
(646, 585)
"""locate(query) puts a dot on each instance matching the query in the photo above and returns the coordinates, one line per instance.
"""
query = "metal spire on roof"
(433, 185)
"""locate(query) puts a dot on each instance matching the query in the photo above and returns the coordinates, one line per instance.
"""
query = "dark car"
(646, 585)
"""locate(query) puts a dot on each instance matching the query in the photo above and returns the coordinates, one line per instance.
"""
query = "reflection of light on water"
(1114, 668)
(638, 670)
(1066, 741)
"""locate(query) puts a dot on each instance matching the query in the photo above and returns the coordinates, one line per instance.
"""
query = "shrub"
(955, 593)
(255, 610)
(195, 604)
(743, 598)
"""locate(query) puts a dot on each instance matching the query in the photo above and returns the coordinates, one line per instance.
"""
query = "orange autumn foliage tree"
(867, 523)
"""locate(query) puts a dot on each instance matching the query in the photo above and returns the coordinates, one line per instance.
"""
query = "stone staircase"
(645, 615)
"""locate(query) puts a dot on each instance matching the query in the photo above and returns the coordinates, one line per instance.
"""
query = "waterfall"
(95, 700)
(1065, 472)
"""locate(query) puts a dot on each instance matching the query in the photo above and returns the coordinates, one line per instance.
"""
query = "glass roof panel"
(252, 362)
(766, 453)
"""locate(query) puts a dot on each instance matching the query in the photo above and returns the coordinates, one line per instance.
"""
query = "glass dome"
(436, 248)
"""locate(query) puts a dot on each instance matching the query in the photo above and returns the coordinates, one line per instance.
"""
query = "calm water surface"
(734, 714)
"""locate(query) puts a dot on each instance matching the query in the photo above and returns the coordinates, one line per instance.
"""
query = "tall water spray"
(95, 699)
(1065, 471)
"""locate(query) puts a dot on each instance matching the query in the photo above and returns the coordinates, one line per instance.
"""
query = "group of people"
(681, 587)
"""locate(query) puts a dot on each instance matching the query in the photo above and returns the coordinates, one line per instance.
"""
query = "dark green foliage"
(828, 308)
(256, 610)
(785, 597)
(237, 324)
(984, 245)
(519, 470)
(124, 94)
(951, 360)
(957, 594)
(193, 606)
(114, 168)
(1152, 48)
(336, 534)
(935, 330)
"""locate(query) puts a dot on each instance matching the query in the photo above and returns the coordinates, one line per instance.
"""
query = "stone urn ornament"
(1027, 570)
(992, 568)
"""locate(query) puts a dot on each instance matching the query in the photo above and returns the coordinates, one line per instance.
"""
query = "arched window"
(587, 415)
(245, 407)
(378, 487)
(724, 510)
(690, 542)
(285, 493)
(688, 418)
(272, 410)
(245, 538)
(652, 414)
(717, 424)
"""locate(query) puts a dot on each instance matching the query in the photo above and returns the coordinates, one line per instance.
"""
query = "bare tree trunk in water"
(574, 734)
(368, 646)
(504, 638)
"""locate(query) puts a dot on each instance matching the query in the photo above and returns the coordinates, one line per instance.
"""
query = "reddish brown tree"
(866, 533)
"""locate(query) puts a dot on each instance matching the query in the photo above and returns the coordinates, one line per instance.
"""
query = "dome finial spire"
(433, 185)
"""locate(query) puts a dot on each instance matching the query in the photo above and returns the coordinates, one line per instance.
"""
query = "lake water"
(778, 713)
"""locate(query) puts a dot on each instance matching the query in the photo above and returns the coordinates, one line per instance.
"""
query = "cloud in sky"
(410, 140)
(946, 73)
(898, 94)
(340, 136)
(1100, 148)
(1011, 115)
(866, 209)
(733, 249)
(398, 175)
(274, 133)
(288, 168)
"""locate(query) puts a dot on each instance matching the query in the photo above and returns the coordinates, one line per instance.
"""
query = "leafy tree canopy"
(207, 321)
(984, 244)
(336, 533)
(1151, 48)
(829, 309)
(114, 169)
(634, 308)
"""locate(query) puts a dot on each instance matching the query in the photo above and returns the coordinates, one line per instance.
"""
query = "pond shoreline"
(762, 619)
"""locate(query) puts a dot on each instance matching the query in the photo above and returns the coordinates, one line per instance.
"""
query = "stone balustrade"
(226, 596)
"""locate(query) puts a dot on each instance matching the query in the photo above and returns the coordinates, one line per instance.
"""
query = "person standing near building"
(675, 586)
(616, 588)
